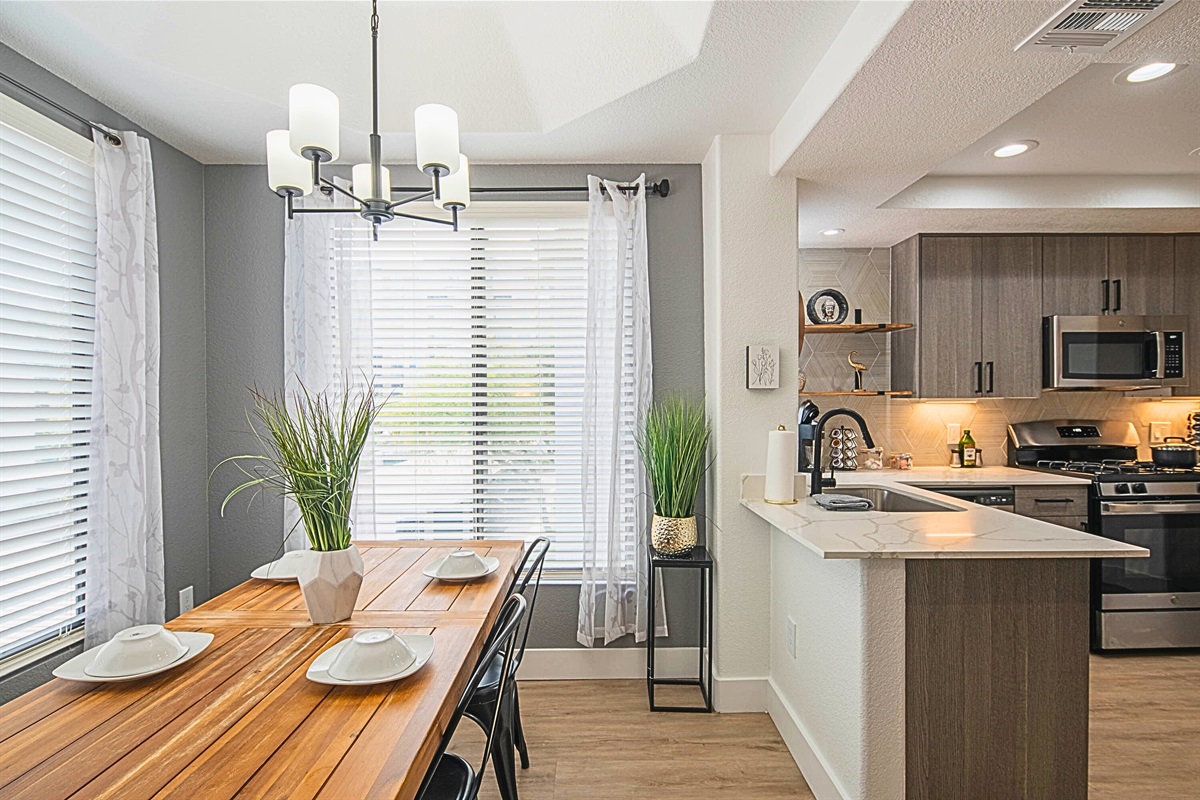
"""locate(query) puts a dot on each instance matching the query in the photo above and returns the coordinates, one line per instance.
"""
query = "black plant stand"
(699, 559)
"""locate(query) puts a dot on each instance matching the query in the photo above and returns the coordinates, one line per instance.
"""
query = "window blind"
(477, 340)
(47, 323)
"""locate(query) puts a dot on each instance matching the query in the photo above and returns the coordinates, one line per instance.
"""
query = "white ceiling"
(531, 81)
(945, 84)
(1090, 124)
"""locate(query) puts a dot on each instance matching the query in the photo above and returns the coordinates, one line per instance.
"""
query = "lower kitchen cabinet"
(1057, 504)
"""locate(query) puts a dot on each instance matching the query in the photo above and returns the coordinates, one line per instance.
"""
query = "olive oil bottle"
(967, 455)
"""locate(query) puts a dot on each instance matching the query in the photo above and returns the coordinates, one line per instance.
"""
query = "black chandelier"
(295, 155)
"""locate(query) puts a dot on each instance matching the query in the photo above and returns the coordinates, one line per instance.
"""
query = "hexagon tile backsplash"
(919, 427)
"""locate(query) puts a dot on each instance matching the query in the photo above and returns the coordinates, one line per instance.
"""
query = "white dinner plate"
(73, 670)
(282, 570)
(421, 644)
(490, 565)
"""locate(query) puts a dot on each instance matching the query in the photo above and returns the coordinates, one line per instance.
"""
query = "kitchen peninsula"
(930, 653)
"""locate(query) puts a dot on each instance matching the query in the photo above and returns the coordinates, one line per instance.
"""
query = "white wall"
(749, 298)
(840, 702)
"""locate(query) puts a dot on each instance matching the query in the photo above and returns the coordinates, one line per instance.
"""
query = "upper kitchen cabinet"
(977, 308)
(1075, 275)
(1085, 275)
(1142, 272)
(1187, 301)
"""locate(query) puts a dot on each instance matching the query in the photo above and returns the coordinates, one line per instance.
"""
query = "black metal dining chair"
(450, 776)
(494, 695)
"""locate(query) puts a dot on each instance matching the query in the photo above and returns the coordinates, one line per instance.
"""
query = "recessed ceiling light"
(1149, 72)
(833, 232)
(1015, 149)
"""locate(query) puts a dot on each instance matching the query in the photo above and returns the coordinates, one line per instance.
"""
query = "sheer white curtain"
(319, 341)
(125, 545)
(616, 395)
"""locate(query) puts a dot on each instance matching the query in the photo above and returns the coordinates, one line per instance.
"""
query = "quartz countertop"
(974, 532)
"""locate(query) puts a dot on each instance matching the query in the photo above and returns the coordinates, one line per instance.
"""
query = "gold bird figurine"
(859, 369)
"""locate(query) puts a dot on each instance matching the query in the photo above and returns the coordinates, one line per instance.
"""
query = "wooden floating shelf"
(856, 394)
(850, 327)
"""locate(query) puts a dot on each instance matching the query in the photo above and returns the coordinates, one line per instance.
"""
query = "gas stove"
(1115, 477)
(1103, 450)
(1136, 603)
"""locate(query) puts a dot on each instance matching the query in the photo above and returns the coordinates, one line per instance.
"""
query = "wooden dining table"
(242, 720)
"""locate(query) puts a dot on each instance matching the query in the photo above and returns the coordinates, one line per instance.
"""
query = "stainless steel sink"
(891, 500)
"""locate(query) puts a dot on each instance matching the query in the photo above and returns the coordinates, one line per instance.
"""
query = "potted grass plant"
(674, 445)
(310, 454)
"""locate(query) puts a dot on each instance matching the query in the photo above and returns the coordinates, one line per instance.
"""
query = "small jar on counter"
(904, 461)
(873, 458)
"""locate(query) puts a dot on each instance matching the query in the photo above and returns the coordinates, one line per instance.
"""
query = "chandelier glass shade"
(295, 155)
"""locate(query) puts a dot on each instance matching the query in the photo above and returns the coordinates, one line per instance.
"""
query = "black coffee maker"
(806, 430)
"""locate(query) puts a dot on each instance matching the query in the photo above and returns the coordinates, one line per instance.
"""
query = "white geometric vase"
(330, 583)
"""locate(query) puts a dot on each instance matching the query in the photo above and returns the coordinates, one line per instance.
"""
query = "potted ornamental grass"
(310, 455)
(673, 441)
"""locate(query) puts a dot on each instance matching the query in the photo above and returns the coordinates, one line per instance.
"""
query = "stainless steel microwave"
(1113, 352)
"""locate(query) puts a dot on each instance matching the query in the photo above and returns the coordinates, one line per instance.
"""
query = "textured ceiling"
(944, 79)
(531, 81)
(1092, 124)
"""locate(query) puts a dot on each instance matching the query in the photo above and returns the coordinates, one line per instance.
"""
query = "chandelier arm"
(325, 211)
(424, 219)
(407, 200)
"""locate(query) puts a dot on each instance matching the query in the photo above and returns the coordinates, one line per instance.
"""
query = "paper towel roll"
(781, 467)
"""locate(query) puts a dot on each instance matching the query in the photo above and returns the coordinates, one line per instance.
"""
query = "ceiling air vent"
(1092, 26)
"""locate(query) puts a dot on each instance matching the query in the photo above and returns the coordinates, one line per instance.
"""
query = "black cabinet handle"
(1105, 284)
(1053, 500)
(978, 377)
(991, 370)
(1117, 287)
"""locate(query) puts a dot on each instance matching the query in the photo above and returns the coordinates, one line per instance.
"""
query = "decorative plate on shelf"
(828, 307)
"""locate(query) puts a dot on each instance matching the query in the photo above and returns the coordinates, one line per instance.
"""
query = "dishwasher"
(998, 497)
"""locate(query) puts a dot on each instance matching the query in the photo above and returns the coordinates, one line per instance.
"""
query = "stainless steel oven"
(1149, 602)
(1113, 352)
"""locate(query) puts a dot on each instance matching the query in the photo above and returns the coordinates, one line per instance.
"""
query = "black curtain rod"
(112, 137)
(659, 189)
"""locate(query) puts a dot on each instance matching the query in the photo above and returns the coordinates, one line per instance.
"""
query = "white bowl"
(285, 569)
(371, 654)
(460, 564)
(136, 650)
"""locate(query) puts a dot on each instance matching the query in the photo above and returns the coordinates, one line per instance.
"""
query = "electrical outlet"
(791, 637)
(953, 433)
(1159, 431)
(187, 600)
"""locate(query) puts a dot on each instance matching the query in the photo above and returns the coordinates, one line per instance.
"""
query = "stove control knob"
(1122, 488)
(1139, 488)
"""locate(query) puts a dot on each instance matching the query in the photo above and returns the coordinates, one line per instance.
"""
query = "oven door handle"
(1127, 509)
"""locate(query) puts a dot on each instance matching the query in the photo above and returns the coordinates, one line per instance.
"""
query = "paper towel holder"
(791, 502)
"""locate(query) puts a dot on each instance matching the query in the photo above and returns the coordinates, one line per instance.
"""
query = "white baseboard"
(600, 663)
(822, 783)
(739, 695)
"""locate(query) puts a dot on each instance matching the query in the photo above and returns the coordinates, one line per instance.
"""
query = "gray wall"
(179, 186)
(244, 262)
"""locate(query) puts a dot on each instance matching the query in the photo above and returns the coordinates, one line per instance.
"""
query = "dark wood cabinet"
(1141, 272)
(1187, 301)
(977, 307)
(1074, 275)
(1118, 274)
(1011, 316)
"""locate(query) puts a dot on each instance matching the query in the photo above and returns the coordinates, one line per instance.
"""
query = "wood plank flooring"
(592, 739)
(596, 739)
(1145, 727)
